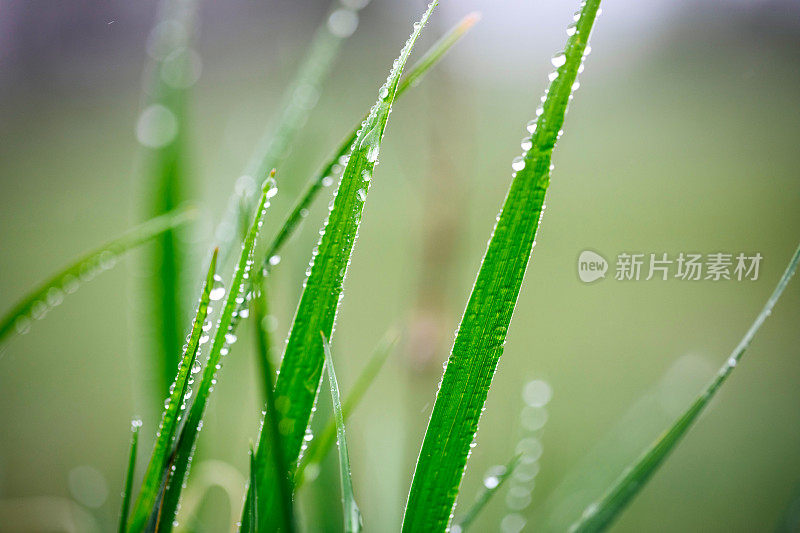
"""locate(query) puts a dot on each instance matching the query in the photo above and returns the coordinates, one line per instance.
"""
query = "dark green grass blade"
(352, 515)
(600, 515)
(485, 495)
(482, 333)
(157, 469)
(253, 495)
(320, 446)
(270, 417)
(333, 167)
(51, 292)
(298, 101)
(219, 347)
(301, 368)
(136, 425)
(168, 184)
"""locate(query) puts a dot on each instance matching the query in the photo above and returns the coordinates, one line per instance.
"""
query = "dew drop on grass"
(362, 195)
(217, 290)
(383, 93)
(531, 126)
(230, 338)
(22, 325)
(327, 181)
(526, 144)
(559, 60)
(518, 163)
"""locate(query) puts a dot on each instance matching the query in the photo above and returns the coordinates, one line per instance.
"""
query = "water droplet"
(537, 393)
(518, 163)
(362, 195)
(559, 60)
(230, 338)
(217, 290)
(526, 144)
(531, 126)
(383, 92)
(327, 181)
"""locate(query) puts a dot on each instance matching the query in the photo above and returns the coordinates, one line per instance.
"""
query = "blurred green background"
(682, 137)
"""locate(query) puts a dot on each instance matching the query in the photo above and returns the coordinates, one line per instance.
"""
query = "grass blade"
(325, 177)
(298, 101)
(253, 494)
(51, 292)
(482, 332)
(489, 489)
(157, 469)
(163, 133)
(301, 368)
(220, 346)
(352, 515)
(598, 516)
(320, 446)
(136, 425)
(271, 416)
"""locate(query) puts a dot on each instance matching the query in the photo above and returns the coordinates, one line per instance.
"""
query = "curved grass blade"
(482, 333)
(301, 368)
(298, 102)
(136, 425)
(253, 495)
(180, 461)
(50, 293)
(320, 446)
(157, 469)
(598, 516)
(352, 515)
(489, 490)
(332, 168)
(271, 417)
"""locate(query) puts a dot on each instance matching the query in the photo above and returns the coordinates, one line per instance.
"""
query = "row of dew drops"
(558, 61)
(70, 283)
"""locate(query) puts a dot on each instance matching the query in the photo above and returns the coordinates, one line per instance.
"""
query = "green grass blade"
(352, 515)
(271, 416)
(490, 488)
(319, 447)
(166, 166)
(598, 516)
(326, 176)
(253, 494)
(482, 333)
(157, 469)
(136, 425)
(50, 293)
(301, 368)
(298, 101)
(220, 346)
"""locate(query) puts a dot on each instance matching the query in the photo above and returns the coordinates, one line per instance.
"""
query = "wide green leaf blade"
(223, 339)
(158, 468)
(301, 368)
(271, 414)
(333, 167)
(50, 293)
(136, 425)
(599, 515)
(352, 515)
(491, 486)
(319, 447)
(482, 332)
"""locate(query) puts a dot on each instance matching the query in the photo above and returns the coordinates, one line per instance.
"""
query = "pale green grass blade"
(298, 102)
(136, 425)
(270, 417)
(301, 368)
(598, 516)
(319, 447)
(162, 129)
(158, 468)
(482, 333)
(223, 339)
(491, 486)
(51, 292)
(352, 515)
(326, 177)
